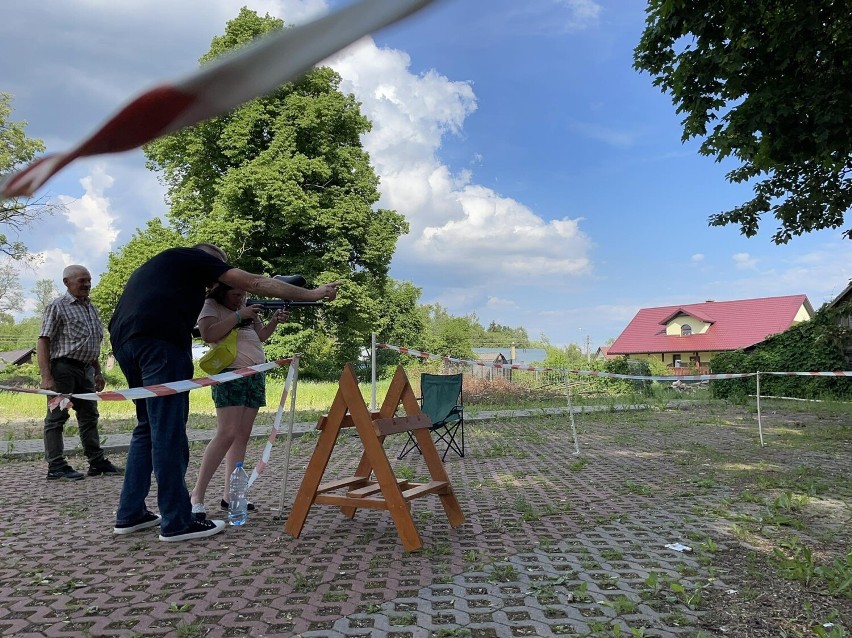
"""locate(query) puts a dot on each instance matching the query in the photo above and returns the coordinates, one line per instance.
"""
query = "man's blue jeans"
(159, 441)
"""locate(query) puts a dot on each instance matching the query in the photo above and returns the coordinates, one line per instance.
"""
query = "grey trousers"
(72, 377)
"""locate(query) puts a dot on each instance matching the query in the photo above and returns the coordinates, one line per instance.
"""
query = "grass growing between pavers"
(554, 543)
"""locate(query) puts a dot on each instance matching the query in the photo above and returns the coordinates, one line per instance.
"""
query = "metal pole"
(373, 373)
(571, 413)
(759, 424)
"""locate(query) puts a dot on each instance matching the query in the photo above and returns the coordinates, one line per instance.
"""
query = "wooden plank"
(432, 487)
(397, 424)
(316, 468)
(375, 502)
(346, 482)
(372, 488)
(347, 421)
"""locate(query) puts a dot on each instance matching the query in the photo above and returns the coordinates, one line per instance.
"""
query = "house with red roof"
(690, 335)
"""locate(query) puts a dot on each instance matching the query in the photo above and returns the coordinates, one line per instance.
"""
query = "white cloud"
(744, 261)
(697, 257)
(457, 226)
(499, 302)
(583, 13)
(93, 232)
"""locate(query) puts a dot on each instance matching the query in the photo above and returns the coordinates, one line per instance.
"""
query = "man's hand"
(100, 382)
(47, 383)
(328, 291)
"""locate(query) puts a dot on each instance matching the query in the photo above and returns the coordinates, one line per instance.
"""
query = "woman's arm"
(265, 331)
(214, 329)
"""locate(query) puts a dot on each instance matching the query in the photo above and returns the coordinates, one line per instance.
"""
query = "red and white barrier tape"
(147, 392)
(836, 373)
(594, 373)
(292, 376)
(216, 88)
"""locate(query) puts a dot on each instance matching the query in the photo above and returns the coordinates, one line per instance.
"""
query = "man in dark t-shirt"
(151, 337)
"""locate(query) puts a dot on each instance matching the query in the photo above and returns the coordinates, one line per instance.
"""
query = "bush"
(814, 346)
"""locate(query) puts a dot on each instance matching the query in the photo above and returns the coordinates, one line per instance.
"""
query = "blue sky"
(544, 179)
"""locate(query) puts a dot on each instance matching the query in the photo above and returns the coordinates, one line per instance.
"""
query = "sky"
(544, 179)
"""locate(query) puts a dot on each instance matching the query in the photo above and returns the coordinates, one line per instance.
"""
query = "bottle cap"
(238, 464)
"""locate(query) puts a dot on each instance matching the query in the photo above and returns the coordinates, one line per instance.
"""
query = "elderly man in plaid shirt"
(68, 349)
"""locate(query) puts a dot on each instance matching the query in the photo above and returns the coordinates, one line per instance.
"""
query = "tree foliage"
(44, 291)
(121, 263)
(500, 336)
(17, 150)
(284, 185)
(815, 345)
(11, 292)
(769, 83)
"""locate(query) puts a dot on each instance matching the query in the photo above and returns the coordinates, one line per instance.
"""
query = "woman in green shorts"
(237, 402)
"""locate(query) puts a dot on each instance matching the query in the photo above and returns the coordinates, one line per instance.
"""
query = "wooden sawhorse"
(386, 491)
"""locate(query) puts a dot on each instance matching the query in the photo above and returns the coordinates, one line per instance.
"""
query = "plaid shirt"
(74, 329)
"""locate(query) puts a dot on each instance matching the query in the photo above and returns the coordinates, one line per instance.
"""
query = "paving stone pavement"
(555, 544)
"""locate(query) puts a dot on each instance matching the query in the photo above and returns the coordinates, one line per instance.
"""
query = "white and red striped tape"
(292, 376)
(594, 373)
(147, 392)
(216, 88)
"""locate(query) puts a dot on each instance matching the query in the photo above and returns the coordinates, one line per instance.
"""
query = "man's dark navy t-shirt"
(164, 295)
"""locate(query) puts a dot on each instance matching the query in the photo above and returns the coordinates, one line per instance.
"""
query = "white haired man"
(68, 348)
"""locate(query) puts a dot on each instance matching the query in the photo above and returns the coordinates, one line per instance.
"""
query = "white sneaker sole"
(219, 526)
(138, 527)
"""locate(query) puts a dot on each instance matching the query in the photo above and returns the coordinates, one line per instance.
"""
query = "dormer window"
(685, 330)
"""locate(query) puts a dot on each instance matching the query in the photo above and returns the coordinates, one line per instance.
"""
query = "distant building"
(690, 335)
(16, 357)
(520, 356)
(603, 353)
(845, 320)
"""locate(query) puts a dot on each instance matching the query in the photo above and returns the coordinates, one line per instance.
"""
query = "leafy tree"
(23, 334)
(445, 334)
(17, 150)
(769, 83)
(284, 185)
(497, 335)
(142, 246)
(11, 292)
(815, 345)
(45, 291)
(402, 323)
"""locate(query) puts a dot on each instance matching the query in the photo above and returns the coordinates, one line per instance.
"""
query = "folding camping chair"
(441, 399)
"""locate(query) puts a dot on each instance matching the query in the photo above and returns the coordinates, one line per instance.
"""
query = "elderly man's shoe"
(104, 468)
(66, 473)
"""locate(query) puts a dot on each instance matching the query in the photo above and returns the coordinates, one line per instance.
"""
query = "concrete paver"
(554, 544)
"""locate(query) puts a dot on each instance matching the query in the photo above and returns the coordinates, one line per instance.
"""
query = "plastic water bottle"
(237, 500)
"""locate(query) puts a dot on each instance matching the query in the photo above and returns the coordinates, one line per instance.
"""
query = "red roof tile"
(735, 324)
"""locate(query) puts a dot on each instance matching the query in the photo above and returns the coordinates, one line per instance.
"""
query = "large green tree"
(44, 292)
(769, 83)
(11, 292)
(284, 185)
(17, 150)
(142, 246)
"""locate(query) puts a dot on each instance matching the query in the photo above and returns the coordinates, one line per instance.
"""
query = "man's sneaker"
(197, 529)
(224, 505)
(198, 512)
(149, 519)
(66, 473)
(103, 468)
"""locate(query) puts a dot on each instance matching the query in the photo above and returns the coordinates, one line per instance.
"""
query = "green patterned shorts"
(248, 391)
